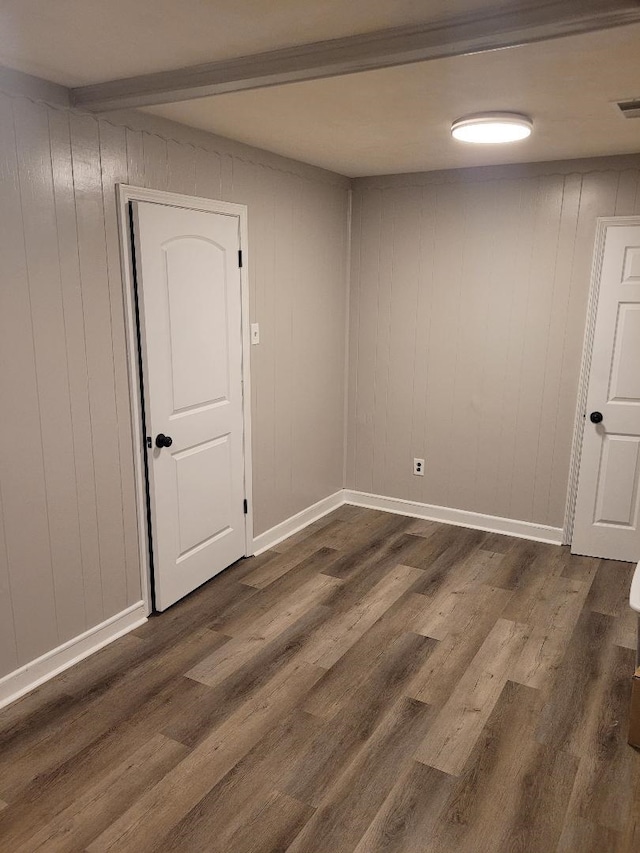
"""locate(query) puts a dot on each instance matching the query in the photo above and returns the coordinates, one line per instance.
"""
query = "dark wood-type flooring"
(374, 683)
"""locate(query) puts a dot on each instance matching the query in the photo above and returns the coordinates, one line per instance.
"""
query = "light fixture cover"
(487, 128)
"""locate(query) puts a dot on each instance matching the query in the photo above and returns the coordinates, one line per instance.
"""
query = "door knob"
(163, 440)
(595, 417)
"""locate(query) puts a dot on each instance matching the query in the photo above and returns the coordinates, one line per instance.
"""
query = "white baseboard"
(297, 522)
(21, 681)
(415, 509)
(458, 517)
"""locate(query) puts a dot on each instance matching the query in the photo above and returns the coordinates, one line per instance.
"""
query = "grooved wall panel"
(52, 376)
(22, 469)
(68, 540)
(467, 313)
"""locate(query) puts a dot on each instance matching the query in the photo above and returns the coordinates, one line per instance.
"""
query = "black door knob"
(163, 440)
(595, 417)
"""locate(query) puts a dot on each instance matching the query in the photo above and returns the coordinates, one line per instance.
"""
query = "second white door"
(607, 515)
(190, 306)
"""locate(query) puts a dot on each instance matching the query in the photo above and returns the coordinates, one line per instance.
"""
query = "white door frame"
(603, 223)
(126, 194)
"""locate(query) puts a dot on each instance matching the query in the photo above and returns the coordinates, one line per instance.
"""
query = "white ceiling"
(78, 42)
(398, 119)
(391, 120)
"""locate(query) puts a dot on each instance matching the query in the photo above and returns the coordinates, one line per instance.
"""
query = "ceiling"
(398, 119)
(78, 42)
(376, 122)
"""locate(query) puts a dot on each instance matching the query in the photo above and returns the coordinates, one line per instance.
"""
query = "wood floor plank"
(181, 789)
(450, 604)
(52, 708)
(625, 631)
(604, 786)
(49, 793)
(278, 564)
(567, 719)
(36, 711)
(293, 542)
(437, 569)
(340, 739)
(586, 836)
(98, 712)
(576, 567)
(408, 818)
(498, 543)
(105, 800)
(422, 527)
(210, 707)
(385, 543)
(552, 622)
(349, 512)
(373, 683)
(217, 817)
(428, 549)
(371, 531)
(502, 801)
(342, 631)
(239, 619)
(201, 607)
(530, 593)
(458, 725)
(357, 539)
(609, 593)
(453, 655)
(629, 840)
(22, 732)
(272, 826)
(355, 667)
(238, 651)
(516, 566)
(112, 662)
(361, 570)
(350, 806)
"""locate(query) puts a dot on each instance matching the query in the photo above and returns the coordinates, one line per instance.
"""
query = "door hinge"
(240, 257)
(246, 506)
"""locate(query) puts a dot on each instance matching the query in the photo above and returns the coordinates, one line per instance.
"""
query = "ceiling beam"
(495, 29)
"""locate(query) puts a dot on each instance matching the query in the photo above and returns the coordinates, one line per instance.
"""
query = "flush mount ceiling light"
(486, 128)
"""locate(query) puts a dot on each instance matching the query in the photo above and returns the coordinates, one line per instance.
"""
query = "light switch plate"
(255, 333)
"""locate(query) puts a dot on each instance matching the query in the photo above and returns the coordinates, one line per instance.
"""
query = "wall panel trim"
(297, 522)
(21, 681)
(413, 509)
(457, 517)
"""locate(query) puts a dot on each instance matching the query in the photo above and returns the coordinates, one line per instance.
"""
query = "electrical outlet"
(418, 467)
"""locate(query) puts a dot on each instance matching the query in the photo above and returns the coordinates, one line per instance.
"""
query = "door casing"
(603, 223)
(125, 194)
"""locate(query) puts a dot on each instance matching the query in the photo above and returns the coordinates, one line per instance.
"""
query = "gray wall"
(68, 542)
(467, 315)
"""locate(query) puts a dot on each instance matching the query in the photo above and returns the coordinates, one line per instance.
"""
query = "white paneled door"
(607, 516)
(190, 307)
